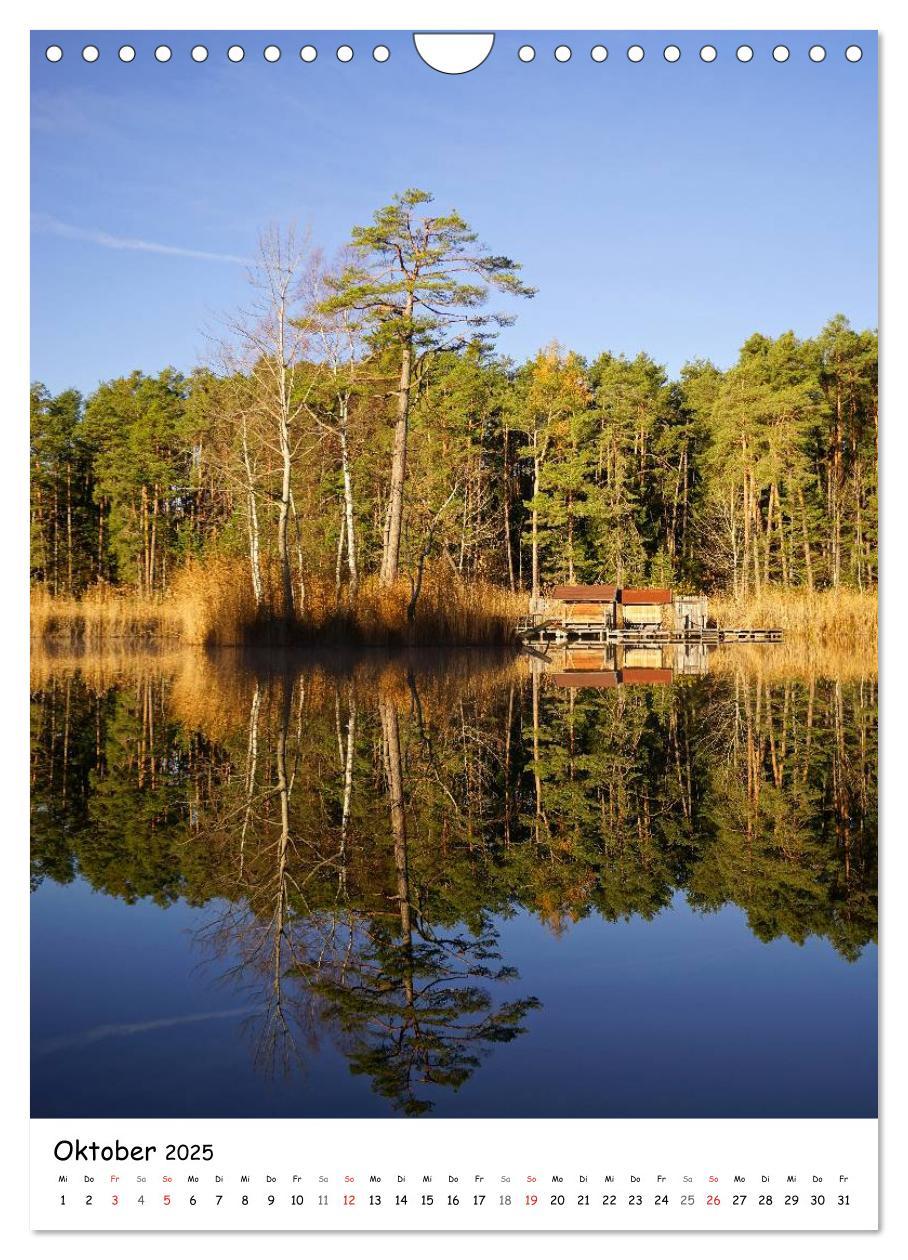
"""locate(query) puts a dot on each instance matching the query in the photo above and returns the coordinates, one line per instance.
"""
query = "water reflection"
(621, 665)
(362, 829)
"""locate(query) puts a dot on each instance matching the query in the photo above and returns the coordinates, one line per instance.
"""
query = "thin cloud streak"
(103, 1031)
(46, 223)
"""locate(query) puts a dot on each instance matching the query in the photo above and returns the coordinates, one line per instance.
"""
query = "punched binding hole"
(526, 53)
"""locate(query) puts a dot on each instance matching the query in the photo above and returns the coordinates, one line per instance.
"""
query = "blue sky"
(669, 207)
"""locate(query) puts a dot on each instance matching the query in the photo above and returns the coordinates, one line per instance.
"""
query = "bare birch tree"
(272, 339)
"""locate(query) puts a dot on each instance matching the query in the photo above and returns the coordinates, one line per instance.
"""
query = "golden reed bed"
(211, 605)
(844, 618)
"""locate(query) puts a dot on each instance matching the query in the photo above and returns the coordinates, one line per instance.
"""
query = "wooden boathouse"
(642, 606)
(615, 614)
(613, 607)
(587, 605)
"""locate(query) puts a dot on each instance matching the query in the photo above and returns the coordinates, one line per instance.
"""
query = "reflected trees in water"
(358, 830)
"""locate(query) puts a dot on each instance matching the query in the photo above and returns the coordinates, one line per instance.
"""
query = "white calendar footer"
(453, 1174)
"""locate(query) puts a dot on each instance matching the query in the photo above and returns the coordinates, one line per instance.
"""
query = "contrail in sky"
(103, 1031)
(46, 223)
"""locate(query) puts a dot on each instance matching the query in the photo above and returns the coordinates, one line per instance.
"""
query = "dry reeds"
(845, 619)
(449, 611)
(105, 615)
(216, 603)
(211, 603)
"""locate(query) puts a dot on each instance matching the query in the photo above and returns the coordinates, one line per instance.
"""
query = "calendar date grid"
(527, 1192)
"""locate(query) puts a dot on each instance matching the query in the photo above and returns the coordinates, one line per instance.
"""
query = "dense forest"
(355, 425)
(359, 834)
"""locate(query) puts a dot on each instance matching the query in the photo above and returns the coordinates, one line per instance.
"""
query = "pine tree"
(407, 289)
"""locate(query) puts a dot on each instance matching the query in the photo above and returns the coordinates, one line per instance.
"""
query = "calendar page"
(454, 559)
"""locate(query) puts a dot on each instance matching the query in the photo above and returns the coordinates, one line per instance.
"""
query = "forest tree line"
(356, 423)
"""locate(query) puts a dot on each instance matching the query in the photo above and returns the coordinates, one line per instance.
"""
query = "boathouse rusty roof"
(586, 594)
(644, 595)
(610, 594)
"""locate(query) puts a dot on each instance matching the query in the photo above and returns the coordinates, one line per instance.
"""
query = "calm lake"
(454, 885)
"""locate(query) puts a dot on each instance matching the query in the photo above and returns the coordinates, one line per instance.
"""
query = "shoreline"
(452, 617)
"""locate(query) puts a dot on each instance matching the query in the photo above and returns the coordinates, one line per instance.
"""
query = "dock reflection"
(617, 665)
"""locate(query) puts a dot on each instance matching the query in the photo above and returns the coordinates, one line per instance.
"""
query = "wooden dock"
(540, 629)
